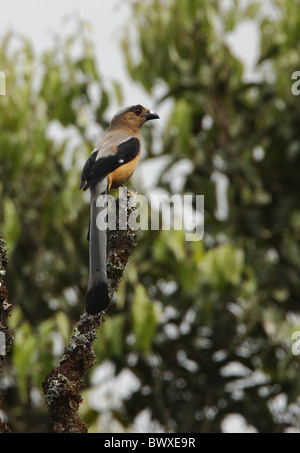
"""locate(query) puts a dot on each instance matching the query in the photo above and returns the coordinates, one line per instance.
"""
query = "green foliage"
(33, 351)
(231, 302)
(223, 265)
(204, 326)
(42, 211)
(112, 342)
(44, 141)
(144, 318)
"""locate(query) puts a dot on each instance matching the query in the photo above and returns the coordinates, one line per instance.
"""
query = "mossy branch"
(5, 333)
(62, 385)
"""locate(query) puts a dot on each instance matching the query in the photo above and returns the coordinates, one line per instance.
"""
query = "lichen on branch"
(5, 334)
(62, 385)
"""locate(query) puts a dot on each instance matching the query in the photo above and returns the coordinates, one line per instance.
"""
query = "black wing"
(94, 170)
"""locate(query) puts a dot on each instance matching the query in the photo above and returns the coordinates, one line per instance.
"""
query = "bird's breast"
(123, 173)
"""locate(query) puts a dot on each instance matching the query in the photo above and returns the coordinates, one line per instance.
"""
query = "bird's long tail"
(97, 298)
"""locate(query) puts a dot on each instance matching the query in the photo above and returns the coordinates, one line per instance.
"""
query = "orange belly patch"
(122, 174)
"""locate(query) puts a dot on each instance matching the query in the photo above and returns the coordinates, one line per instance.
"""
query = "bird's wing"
(99, 165)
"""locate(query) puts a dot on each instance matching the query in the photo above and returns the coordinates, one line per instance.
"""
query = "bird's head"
(132, 118)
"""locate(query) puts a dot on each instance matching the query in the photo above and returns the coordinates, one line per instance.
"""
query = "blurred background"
(199, 337)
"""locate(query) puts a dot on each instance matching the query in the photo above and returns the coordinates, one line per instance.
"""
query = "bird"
(110, 165)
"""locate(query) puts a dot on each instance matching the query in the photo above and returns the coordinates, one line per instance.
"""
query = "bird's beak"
(151, 116)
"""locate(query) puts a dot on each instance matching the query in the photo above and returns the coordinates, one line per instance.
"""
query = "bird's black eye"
(137, 109)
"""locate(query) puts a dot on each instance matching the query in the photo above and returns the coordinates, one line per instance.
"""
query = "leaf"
(223, 265)
(118, 92)
(180, 123)
(112, 338)
(252, 10)
(144, 318)
(11, 226)
(24, 347)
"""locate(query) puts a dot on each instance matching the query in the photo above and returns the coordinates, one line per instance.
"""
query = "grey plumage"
(97, 298)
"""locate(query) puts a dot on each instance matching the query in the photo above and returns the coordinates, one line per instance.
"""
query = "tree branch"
(6, 338)
(62, 385)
